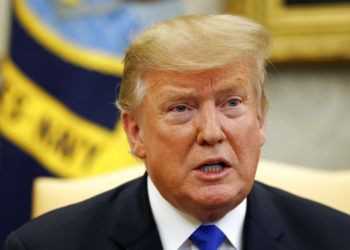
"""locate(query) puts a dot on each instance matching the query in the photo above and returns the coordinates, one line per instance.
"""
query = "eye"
(233, 102)
(179, 108)
(179, 114)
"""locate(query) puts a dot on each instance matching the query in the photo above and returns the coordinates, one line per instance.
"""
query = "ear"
(263, 129)
(134, 134)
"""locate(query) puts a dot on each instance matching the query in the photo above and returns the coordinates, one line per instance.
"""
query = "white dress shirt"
(175, 227)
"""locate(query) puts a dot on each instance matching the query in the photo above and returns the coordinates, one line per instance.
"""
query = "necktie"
(207, 237)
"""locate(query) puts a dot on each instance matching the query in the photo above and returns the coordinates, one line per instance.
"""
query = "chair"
(331, 188)
(328, 187)
(52, 192)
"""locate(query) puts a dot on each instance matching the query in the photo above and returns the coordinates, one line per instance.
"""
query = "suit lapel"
(135, 228)
(263, 229)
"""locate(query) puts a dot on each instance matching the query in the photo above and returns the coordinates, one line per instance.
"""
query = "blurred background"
(60, 64)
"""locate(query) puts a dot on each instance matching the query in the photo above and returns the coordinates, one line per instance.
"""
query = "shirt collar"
(175, 227)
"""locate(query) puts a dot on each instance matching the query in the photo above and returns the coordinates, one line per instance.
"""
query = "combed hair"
(193, 43)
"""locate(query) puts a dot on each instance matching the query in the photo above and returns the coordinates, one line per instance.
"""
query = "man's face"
(200, 137)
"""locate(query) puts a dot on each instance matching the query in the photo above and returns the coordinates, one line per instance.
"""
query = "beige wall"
(309, 117)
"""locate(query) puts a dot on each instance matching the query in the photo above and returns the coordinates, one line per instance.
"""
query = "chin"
(211, 213)
(213, 206)
(222, 195)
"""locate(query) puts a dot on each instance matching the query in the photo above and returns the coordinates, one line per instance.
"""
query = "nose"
(209, 127)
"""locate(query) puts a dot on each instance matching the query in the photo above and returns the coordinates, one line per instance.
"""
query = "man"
(194, 109)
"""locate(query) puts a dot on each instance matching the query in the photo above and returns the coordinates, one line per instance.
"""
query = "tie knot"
(207, 237)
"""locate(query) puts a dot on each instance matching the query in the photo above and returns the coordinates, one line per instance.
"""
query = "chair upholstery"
(52, 192)
(328, 187)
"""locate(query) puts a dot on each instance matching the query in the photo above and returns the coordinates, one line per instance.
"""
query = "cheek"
(166, 173)
(167, 148)
(167, 152)
(169, 141)
(245, 138)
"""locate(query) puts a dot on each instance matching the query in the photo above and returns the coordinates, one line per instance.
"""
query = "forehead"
(233, 76)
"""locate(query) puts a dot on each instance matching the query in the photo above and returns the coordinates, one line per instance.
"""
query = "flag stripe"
(38, 123)
(93, 60)
(89, 94)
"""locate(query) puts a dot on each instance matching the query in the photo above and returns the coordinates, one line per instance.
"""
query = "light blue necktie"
(207, 237)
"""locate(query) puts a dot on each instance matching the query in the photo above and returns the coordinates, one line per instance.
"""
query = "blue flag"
(57, 113)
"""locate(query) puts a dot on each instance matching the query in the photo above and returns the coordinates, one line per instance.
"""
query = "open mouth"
(213, 167)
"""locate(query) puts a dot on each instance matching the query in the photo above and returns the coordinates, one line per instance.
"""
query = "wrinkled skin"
(187, 120)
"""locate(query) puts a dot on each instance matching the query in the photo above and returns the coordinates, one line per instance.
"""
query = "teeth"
(211, 168)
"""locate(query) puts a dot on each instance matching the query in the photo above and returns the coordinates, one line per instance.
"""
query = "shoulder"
(285, 201)
(67, 225)
(302, 219)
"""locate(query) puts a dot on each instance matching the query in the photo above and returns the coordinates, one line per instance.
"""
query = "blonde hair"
(193, 43)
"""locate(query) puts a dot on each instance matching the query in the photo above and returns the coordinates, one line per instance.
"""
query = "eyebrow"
(176, 94)
(182, 93)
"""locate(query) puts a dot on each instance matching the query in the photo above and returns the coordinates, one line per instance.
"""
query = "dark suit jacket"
(122, 219)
